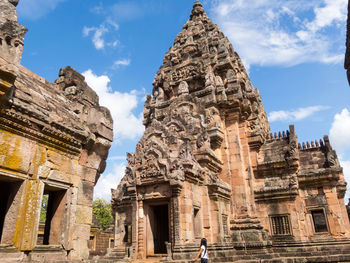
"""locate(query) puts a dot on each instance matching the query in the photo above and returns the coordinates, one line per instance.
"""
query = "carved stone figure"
(210, 79)
(183, 88)
(230, 75)
(159, 95)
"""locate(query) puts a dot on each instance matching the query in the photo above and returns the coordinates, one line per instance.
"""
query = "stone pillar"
(141, 252)
(237, 166)
(175, 206)
(68, 232)
(27, 225)
(134, 227)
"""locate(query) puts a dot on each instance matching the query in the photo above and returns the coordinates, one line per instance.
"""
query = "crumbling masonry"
(208, 166)
(54, 141)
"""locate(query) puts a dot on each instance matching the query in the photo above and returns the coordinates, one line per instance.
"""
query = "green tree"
(43, 211)
(103, 211)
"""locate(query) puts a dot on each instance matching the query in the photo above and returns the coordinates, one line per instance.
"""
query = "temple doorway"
(8, 208)
(157, 228)
(5, 190)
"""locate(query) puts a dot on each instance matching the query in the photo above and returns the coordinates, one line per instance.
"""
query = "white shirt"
(204, 253)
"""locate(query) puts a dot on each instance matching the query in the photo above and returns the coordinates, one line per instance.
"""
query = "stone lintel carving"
(219, 191)
(216, 137)
(322, 176)
(208, 160)
(249, 233)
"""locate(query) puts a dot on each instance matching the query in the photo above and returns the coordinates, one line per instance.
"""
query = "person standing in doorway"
(203, 252)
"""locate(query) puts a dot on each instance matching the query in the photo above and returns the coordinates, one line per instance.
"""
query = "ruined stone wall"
(54, 139)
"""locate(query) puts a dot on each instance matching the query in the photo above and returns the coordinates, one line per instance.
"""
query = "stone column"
(141, 252)
(134, 227)
(237, 167)
(27, 225)
(175, 206)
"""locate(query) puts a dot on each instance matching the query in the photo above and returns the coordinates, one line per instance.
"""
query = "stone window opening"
(52, 214)
(92, 243)
(319, 220)
(224, 224)
(111, 243)
(8, 207)
(280, 225)
(197, 224)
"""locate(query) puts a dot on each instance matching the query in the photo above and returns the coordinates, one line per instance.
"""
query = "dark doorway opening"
(320, 222)
(160, 228)
(5, 190)
(51, 216)
(8, 191)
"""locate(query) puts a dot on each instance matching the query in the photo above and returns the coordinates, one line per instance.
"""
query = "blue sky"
(293, 50)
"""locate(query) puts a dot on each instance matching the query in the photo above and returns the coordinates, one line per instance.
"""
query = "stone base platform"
(315, 252)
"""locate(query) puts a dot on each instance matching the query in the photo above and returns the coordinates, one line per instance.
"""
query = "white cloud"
(100, 32)
(112, 23)
(282, 32)
(295, 115)
(111, 180)
(339, 136)
(126, 124)
(121, 62)
(97, 38)
(332, 11)
(346, 171)
(113, 44)
(340, 132)
(35, 9)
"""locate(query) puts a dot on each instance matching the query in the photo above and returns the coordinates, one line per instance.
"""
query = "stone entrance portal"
(8, 191)
(157, 228)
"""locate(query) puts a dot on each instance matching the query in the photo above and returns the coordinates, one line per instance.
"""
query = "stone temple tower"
(208, 166)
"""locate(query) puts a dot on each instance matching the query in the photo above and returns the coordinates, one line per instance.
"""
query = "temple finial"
(197, 10)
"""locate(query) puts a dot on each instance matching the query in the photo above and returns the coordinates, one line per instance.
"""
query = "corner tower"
(207, 164)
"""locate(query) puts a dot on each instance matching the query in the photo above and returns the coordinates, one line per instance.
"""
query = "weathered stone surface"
(54, 140)
(208, 165)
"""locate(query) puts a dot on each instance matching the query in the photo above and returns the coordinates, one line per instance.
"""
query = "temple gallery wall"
(207, 165)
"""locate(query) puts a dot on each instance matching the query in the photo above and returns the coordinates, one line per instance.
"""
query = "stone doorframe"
(148, 206)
